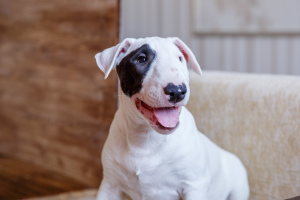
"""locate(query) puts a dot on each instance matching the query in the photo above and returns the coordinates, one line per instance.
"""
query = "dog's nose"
(176, 92)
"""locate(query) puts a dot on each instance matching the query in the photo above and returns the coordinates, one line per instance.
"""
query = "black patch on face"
(133, 68)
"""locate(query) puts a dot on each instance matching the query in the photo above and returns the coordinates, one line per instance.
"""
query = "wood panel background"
(22, 180)
(56, 107)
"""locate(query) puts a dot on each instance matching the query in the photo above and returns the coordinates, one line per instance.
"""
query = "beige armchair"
(257, 117)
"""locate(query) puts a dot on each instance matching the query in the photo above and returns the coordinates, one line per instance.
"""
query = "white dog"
(154, 150)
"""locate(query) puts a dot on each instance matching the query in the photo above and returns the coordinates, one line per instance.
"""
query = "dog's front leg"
(108, 191)
(195, 191)
(194, 194)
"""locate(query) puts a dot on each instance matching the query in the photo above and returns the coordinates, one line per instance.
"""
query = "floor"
(21, 180)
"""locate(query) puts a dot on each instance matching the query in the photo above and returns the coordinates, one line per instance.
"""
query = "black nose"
(176, 92)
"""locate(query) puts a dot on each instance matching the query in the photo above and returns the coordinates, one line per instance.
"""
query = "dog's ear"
(188, 54)
(106, 60)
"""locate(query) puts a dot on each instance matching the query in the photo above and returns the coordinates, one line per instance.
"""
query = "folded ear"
(106, 60)
(188, 54)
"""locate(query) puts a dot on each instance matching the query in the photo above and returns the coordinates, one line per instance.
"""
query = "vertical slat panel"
(256, 54)
(249, 64)
(234, 53)
(152, 21)
(163, 17)
(128, 19)
(281, 55)
(211, 48)
(227, 54)
(140, 18)
(267, 54)
(197, 46)
(290, 55)
(221, 56)
(241, 54)
(169, 18)
(184, 21)
(259, 54)
(273, 52)
(296, 55)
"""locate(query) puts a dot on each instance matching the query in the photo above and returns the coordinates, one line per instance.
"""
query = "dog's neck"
(139, 134)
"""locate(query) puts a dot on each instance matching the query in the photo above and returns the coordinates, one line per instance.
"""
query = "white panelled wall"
(276, 54)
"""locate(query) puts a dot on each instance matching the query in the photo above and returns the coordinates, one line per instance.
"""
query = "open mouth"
(164, 118)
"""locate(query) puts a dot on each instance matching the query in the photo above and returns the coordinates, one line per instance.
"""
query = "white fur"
(140, 163)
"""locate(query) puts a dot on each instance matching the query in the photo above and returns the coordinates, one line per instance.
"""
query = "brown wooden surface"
(56, 107)
(23, 180)
(87, 194)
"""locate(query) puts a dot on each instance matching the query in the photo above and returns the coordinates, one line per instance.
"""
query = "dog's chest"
(149, 177)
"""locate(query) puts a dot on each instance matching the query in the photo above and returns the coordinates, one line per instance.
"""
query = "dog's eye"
(142, 59)
(180, 58)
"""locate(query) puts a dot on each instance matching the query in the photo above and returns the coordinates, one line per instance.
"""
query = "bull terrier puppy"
(154, 150)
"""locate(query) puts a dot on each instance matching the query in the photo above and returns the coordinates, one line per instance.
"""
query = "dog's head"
(153, 73)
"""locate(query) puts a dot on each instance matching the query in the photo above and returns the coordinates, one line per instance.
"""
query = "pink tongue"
(167, 117)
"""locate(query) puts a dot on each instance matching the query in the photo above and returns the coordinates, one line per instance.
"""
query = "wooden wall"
(56, 107)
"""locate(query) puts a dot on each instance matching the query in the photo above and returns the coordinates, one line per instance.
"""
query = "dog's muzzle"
(175, 92)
